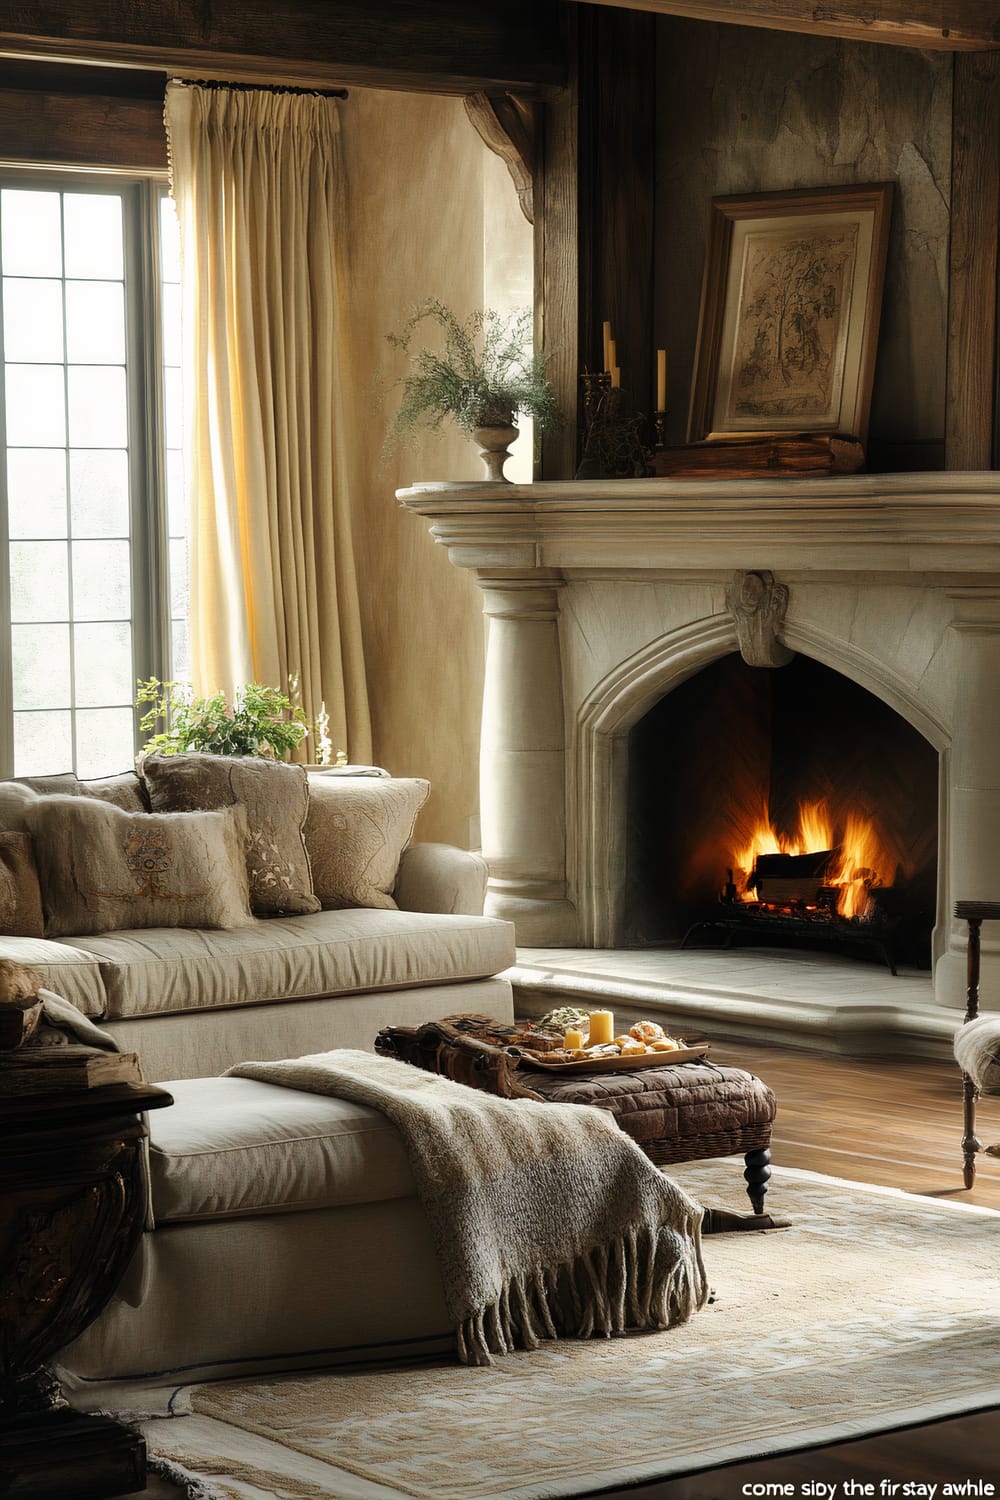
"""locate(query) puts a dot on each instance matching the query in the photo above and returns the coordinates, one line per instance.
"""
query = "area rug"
(875, 1310)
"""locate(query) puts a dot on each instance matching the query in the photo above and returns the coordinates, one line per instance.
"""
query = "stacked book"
(763, 456)
(33, 1070)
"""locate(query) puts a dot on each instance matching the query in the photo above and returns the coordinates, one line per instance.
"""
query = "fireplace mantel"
(893, 522)
(603, 596)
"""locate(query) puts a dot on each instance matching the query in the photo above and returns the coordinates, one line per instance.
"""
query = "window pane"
(35, 403)
(180, 651)
(171, 324)
(95, 322)
(98, 480)
(173, 403)
(36, 492)
(177, 506)
(32, 233)
(43, 744)
(97, 412)
(178, 578)
(101, 585)
(94, 235)
(39, 581)
(32, 320)
(104, 743)
(170, 240)
(41, 666)
(103, 657)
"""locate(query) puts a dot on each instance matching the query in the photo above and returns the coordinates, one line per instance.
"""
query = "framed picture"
(790, 311)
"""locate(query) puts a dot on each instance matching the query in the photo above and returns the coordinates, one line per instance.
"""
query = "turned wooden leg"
(757, 1172)
(971, 1143)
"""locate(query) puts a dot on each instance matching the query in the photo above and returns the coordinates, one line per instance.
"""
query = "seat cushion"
(150, 971)
(233, 1146)
(64, 969)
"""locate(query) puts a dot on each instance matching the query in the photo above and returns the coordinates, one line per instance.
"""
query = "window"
(92, 513)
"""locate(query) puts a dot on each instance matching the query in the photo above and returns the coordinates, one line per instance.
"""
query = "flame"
(862, 863)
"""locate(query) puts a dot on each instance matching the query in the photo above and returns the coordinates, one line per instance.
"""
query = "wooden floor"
(890, 1121)
(898, 1123)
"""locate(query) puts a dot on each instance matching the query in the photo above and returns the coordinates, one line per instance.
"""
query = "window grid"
(76, 707)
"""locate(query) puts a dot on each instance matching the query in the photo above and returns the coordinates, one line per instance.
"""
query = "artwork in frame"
(790, 309)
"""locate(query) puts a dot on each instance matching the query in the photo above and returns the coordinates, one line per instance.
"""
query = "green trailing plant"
(486, 373)
(260, 721)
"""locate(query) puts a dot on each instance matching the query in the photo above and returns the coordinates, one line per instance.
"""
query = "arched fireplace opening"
(781, 806)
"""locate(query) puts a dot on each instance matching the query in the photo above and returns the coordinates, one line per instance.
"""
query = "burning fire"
(859, 863)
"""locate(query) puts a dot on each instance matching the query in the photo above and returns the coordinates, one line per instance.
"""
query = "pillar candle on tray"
(573, 1040)
(602, 1028)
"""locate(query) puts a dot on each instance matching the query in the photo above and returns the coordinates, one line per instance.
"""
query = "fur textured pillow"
(356, 832)
(276, 797)
(20, 894)
(102, 869)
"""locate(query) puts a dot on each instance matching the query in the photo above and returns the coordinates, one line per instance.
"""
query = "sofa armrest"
(439, 877)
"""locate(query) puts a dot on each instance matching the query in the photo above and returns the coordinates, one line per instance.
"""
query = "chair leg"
(971, 1143)
(757, 1172)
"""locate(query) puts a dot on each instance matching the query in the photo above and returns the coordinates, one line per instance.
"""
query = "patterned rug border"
(639, 1469)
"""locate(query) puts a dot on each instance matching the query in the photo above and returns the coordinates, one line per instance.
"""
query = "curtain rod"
(264, 88)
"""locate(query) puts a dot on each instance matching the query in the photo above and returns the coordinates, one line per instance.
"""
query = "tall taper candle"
(607, 346)
(661, 380)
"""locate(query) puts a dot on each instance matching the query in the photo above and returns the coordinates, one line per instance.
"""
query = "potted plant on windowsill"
(485, 375)
(260, 721)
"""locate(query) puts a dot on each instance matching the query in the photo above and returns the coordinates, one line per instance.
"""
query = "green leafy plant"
(261, 720)
(485, 374)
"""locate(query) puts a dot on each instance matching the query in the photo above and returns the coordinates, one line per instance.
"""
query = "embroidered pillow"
(356, 832)
(276, 797)
(20, 895)
(102, 869)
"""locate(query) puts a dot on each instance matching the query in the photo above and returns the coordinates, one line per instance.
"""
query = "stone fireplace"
(639, 631)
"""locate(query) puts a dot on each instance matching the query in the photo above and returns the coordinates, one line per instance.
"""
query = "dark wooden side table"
(72, 1208)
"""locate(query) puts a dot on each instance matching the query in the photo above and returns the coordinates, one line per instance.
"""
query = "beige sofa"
(287, 1227)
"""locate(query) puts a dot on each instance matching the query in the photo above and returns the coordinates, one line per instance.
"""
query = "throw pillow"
(15, 799)
(276, 797)
(102, 869)
(356, 832)
(20, 895)
(125, 790)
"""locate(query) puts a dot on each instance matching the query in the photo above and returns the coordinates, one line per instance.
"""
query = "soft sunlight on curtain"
(257, 181)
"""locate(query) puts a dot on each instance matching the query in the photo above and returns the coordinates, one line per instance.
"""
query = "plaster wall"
(741, 110)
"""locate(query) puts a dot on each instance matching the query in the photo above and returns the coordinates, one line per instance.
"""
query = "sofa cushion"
(102, 869)
(356, 830)
(232, 1146)
(125, 790)
(329, 953)
(65, 970)
(276, 798)
(20, 894)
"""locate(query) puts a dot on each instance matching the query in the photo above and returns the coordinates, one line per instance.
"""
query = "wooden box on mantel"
(763, 456)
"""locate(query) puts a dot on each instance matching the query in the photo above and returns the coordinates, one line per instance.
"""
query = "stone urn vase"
(494, 444)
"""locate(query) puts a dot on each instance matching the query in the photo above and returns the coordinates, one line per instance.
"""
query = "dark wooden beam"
(56, 129)
(944, 25)
(617, 90)
(509, 126)
(441, 46)
(556, 263)
(971, 394)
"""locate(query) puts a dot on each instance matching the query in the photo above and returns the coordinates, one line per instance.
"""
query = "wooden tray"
(616, 1064)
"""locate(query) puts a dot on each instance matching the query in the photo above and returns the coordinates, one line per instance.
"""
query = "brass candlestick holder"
(660, 429)
(613, 445)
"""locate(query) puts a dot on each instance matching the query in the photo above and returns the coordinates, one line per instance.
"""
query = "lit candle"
(602, 1027)
(573, 1040)
(607, 346)
(661, 380)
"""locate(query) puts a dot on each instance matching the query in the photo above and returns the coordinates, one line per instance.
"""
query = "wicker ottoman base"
(685, 1112)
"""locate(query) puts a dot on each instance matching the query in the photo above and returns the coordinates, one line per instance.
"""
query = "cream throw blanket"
(546, 1218)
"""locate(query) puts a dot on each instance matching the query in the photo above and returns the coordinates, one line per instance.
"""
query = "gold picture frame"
(790, 310)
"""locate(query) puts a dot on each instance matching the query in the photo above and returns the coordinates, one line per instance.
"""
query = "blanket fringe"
(640, 1281)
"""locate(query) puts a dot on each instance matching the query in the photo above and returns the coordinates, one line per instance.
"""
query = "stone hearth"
(603, 597)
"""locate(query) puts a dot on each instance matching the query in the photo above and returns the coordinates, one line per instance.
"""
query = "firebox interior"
(740, 763)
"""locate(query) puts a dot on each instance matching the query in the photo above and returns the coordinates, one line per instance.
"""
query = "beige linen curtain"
(256, 178)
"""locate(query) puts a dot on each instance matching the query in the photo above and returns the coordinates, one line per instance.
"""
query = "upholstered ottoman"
(675, 1112)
